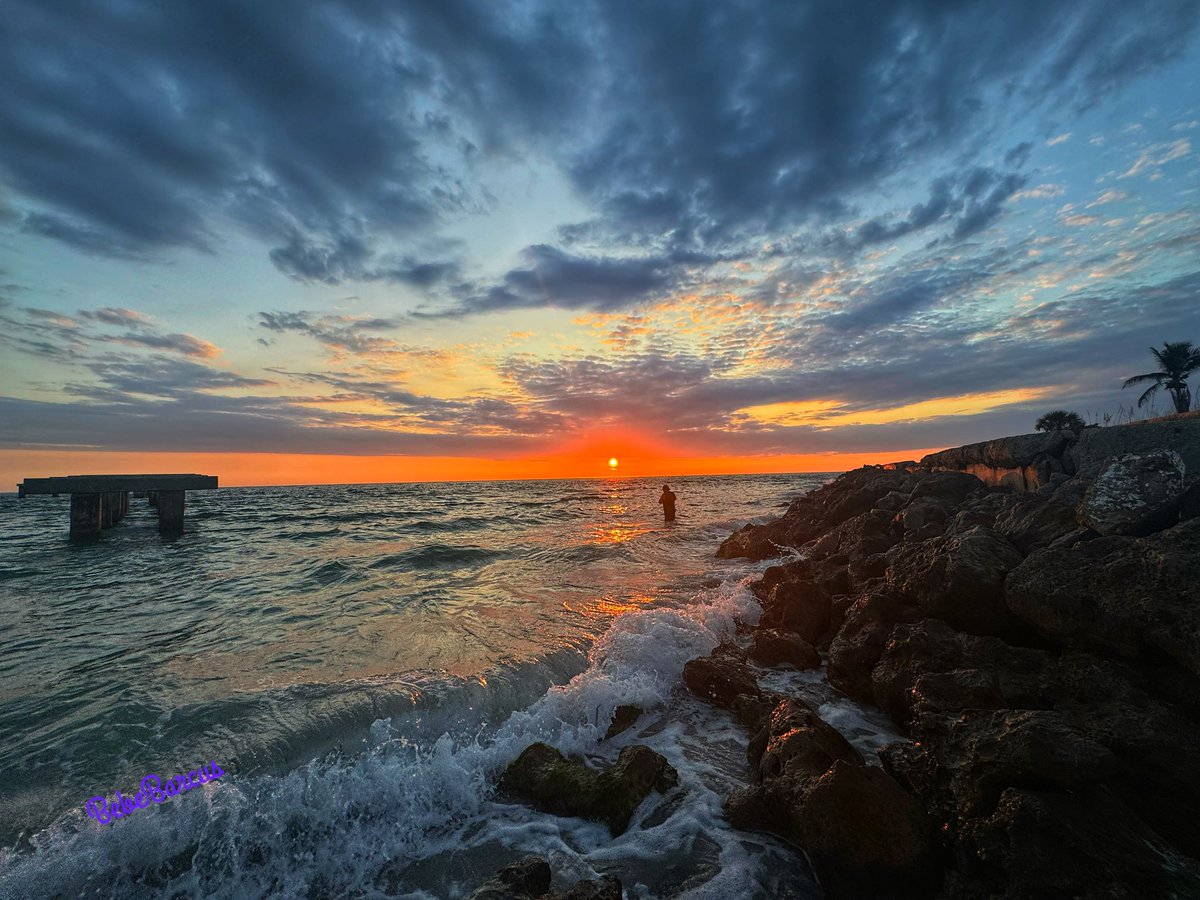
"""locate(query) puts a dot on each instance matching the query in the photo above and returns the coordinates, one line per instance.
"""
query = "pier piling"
(170, 512)
(101, 501)
(85, 515)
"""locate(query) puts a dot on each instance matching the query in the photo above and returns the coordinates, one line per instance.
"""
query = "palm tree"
(1060, 420)
(1176, 361)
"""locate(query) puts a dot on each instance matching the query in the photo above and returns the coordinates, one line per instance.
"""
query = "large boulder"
(1137, 493)
(529, 879)
(779, 648)
(1096, 446)
(816, 513)
(982, 752)
(866, 836)
(796, 741)
(861, 638)
(569, 787)
(932, 665)
(719, 679)
(1083, 845)
(959, 578)
(801, 607)
(1124, 596)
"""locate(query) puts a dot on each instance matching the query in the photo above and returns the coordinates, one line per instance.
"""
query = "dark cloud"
(115, 316)
(763, 116)
(335, 130)
(138, 126)
(553, 277)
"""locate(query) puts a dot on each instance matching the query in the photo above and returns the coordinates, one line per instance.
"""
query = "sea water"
(364, 661)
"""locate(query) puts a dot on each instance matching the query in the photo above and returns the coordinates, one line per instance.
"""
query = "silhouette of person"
(668, 503)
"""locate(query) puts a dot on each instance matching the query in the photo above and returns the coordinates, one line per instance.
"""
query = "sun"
(612, 462)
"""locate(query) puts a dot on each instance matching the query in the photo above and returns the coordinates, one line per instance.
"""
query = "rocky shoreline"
(1035, 636)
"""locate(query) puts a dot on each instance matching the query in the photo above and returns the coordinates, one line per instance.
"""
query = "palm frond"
(1150, 392)
(1139, 379)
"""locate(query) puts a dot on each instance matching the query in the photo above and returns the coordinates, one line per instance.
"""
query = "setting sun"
(612, 462)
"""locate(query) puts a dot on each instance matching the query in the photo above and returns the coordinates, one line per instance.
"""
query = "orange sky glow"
(243, 469)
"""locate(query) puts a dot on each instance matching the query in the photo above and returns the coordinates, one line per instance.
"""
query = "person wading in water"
(668, 503)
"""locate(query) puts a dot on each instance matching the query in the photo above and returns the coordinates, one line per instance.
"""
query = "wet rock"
(959, 578)
(816, 513)
(1136, 493)
(568, 787)
(624, 717)
(778, 648)
(719, 680)
(528, 878)
(797, 606)
(860, 640)
(866, 836)
(796, 571)
(796, 741)
(1123, 596)
(607, 887)
(1086, 845)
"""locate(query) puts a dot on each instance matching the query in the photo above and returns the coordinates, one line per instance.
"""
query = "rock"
(982, 752)
(775, 648)
(816, 513)
(1022, 462)
(798, 606)
(719, 680)
(867, 533)
(931, 664)
(1087, 846)
(951, 487)
(959, 578)
(623, 718)
(893, 501)
(1156, 741)
(568, 787)
(1123, 596)
(1189, 503)
(796, 741)
(860, 640)
(1135, 494)
(1096, 446)
(866, 836)
(525, 879)
(607, 887)
(529, 879)
(1032, 522)
(921, 512)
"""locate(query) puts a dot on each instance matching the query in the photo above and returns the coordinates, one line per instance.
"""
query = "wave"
(435, 556)
(424, 817)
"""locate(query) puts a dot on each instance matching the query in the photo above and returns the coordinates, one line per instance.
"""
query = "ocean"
(362, 661)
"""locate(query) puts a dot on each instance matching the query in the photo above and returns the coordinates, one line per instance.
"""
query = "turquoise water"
(362, 661)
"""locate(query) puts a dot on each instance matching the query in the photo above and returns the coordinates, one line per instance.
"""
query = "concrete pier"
(101, 501)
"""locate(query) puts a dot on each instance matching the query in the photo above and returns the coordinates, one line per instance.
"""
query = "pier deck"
(100, 501)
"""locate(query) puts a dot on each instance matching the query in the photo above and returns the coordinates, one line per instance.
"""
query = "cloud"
(1109, 196)
(1157, 155)
(555, 278)
(1059, 139)
(116, 316)
(135, 128)
(1041, 192)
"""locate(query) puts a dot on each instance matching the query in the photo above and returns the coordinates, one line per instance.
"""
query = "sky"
(374, 241)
